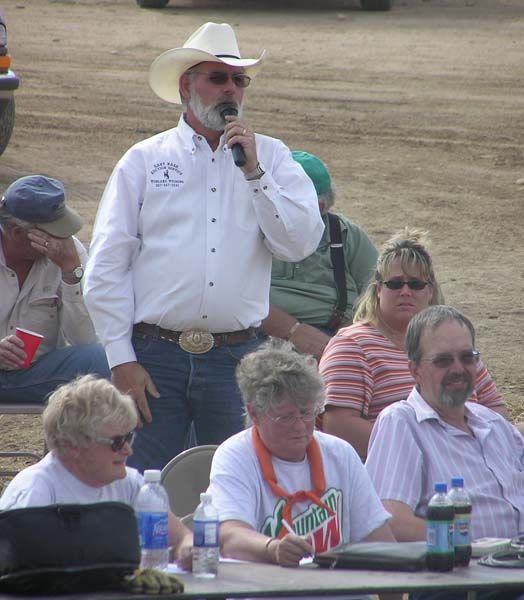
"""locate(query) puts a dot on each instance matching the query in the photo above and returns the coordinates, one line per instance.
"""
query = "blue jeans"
(194, 388)
(53, 369)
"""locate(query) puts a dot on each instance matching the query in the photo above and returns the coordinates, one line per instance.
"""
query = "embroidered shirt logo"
(165, 174)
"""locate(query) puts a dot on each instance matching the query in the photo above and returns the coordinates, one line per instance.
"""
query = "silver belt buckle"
(196, 341)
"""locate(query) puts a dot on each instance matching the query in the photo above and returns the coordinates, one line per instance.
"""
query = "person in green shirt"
(306, 306)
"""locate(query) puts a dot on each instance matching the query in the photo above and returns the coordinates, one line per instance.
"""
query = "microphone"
(239, 156)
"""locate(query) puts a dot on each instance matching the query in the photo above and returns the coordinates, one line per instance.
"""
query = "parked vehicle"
(9, 82)
(376, 4)
(364, 4)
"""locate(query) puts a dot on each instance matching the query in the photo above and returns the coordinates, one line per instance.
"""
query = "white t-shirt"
(240, 492)
(49, 482)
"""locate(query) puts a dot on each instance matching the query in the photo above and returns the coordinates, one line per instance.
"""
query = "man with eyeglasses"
(437, 434)
(41, 269)
(178, 279)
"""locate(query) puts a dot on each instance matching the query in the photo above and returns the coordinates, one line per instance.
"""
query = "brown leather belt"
(195, 341)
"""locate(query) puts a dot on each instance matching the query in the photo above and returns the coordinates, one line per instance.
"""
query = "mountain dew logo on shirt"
(325, 529)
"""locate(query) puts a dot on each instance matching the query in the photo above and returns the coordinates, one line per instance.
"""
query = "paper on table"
(487, 545)
(174, 568)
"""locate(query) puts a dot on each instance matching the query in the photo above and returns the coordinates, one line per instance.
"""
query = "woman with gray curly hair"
(365, 366)
(283, 490)
(89, 428)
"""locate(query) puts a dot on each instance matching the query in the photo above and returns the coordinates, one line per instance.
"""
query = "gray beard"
(210, 116)
(455, 398)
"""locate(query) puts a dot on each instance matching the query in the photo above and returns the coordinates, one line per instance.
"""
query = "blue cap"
(41, 200)
(457, 482)
(441, 488)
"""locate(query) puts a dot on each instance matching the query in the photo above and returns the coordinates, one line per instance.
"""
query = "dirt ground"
(418, 112)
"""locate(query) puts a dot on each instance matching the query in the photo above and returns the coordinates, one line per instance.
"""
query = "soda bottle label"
(462, 531)
(153, 530)
(440, 537)
(205, 534)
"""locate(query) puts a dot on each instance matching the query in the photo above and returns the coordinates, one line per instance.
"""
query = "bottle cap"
(151, 475)
(457, 482)
(441, 488)
(205, 497)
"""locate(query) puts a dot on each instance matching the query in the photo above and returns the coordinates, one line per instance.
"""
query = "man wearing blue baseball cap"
(41, 269)
(312, 298)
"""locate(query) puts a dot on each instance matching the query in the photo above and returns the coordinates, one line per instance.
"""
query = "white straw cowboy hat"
(214, 42)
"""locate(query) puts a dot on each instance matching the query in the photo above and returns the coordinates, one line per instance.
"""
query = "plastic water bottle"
(206, 550)
(439, 531)
(462, 523)
(152, 507)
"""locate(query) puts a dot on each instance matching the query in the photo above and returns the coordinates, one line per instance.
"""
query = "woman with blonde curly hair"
(365, 367)
(89, 428)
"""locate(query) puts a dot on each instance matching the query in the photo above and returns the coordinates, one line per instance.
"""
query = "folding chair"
(185, 476)
(16, 408)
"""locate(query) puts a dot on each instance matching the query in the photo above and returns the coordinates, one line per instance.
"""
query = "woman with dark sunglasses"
(364, 366)
(89, 428)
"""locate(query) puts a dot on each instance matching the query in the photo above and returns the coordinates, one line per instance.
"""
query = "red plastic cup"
(31, 342)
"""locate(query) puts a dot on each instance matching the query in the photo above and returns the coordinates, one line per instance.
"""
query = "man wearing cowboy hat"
(179, 274)
(41, 267)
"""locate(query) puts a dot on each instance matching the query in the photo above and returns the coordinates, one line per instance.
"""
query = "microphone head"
(229, 111)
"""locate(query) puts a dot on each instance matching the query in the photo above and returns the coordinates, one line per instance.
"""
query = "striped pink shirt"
(412, 448)
(364, 370)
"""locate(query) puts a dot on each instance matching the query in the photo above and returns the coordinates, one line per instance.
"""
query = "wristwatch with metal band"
(256, 173)
(74, 276)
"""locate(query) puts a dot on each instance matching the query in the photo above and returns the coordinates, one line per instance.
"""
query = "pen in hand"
(306, 538)
(288, 527)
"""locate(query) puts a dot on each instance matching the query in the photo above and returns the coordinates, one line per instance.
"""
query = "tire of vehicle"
(7, 121)
(375, 4)
(152, 3)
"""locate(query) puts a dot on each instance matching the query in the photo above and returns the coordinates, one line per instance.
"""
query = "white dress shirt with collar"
(183, 241)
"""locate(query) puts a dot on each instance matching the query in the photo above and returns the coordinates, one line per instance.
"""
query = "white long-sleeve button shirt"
(182, 240)
(45, 304)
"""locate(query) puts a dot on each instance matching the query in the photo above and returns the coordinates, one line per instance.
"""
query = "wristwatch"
(256, 173)
(74, 276)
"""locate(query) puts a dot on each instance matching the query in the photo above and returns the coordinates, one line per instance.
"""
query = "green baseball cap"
(315, 169)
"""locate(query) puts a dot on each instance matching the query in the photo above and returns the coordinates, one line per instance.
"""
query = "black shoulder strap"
(339, 268)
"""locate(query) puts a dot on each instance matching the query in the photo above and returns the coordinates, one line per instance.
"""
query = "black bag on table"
(67, 548)
(382, 556)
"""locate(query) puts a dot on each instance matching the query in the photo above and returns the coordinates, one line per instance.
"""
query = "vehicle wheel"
(152, 3)
(7, 121)
(375, 4)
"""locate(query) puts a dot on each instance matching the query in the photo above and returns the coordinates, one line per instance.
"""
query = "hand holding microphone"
(239, 156)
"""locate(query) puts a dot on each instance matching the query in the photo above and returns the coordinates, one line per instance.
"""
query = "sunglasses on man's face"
(222, 77)
(117, 442)
(445, 360)
(413, 284)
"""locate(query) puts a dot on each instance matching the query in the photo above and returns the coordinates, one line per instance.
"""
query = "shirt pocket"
(43, 312)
